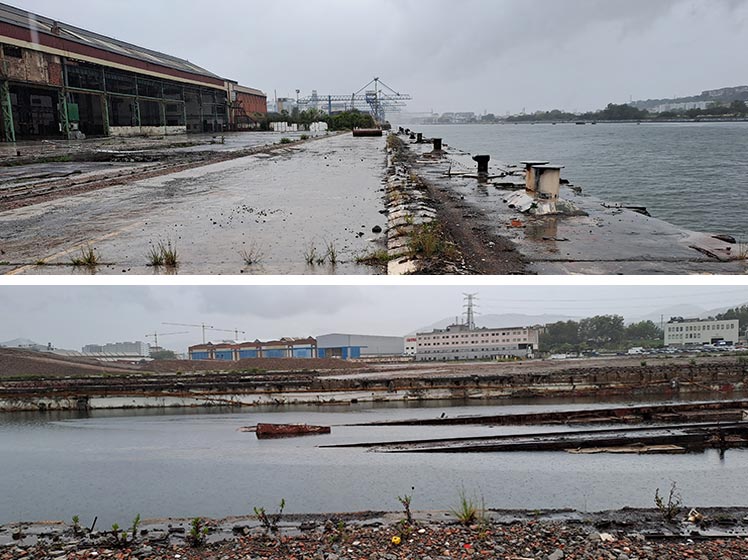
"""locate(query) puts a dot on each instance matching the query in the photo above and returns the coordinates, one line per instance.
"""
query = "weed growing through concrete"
(332, 253)
(304, 137)
(155, 256)
(198, 533)
(251, 255)
(670, 509)
(405, 501)
(163, 254)
(285, 140)
(310, 254)
(377, 258)
(468, 510)
(270, 522)
(88, 257)
(428, 241)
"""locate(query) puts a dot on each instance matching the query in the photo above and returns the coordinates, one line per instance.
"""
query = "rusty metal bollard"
(482, 164)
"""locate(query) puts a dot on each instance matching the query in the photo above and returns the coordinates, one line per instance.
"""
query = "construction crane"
(376, 97)
(202, 326)
(235, 331)
(155, 335)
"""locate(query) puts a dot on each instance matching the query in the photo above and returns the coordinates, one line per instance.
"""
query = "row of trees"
(347, 120)
(602, 332)
(740, 313)
(613, 112)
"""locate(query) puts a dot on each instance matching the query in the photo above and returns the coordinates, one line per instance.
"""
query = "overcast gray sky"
(451, 55)
(72, 316)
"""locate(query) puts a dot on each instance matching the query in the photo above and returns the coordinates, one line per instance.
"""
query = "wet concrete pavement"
(275, 206)
(608, 240)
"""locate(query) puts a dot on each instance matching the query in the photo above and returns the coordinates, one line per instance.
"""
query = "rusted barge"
(680, 438)
(712, 411)
(273, 431)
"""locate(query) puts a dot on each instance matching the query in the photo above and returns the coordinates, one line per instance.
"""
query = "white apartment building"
(411, 343)
(685, 332)
(459, 342)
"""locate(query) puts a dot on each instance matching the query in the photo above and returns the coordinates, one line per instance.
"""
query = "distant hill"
(722, 95)
(21, 343)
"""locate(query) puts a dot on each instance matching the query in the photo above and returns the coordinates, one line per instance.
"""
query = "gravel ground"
(527, 540)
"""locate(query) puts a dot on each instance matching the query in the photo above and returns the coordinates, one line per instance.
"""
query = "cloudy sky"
(451, 55)
(72, 316)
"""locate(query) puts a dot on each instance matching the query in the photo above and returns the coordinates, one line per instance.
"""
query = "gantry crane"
(376, 96)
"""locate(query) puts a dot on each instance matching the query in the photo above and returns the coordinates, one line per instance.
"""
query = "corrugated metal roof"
(41, 24)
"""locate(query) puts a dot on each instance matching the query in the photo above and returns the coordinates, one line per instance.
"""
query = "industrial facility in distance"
(59, 81)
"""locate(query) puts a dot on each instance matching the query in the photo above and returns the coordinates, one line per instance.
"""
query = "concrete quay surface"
(305, 208)
(603, 238)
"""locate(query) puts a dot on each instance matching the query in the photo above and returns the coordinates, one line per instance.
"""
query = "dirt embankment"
(24, 363)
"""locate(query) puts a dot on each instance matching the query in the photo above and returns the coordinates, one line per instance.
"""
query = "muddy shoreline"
(512, 534)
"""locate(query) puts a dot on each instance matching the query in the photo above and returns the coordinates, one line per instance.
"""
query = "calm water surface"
(694, 175)
(189, 463)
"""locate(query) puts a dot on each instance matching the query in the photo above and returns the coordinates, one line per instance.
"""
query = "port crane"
(376, 97)
(155, 335)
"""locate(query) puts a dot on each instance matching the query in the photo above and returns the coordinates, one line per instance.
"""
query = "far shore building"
(692, 332)
(234, 351)
(461, 342)
(136, 348)
(359, 346)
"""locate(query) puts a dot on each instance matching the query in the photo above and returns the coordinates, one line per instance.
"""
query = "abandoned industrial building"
(59, 81)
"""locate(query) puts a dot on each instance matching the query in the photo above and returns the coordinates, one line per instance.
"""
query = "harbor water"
(116, 464)
(690, 174)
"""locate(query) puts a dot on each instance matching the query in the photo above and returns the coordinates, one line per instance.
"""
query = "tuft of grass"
(468, 510)
(40, 262)
(251, 255)
(88, 257)
(405, 501)
(155, 256)
(198, 533)
(429, 241)
(310, 254)
(285, 140)
(163, 254)
(304, 137)
(332, 253)
(643, 363)
(270, 522)
(377, 258)
(670, 509)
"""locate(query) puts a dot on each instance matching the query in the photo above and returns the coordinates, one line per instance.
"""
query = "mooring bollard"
(412, 136)
(419, 137)
(400, 130)
(548, 181)
(437, 144)
(530, 173)
(482, 164)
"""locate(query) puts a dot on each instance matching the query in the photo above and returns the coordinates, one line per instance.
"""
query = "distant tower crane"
(155, 336)
(202, 326)
(236, 332)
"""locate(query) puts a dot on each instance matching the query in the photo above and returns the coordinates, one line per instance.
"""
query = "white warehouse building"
(355, 346)
(688, 332)
(459, 342)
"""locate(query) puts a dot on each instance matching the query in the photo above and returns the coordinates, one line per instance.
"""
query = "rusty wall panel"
(55, 71)
(36, 67)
